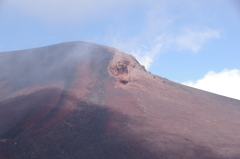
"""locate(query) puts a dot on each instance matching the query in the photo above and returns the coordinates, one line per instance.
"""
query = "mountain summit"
(82, 100)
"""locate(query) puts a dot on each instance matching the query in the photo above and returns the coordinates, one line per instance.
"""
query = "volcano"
(79, 100)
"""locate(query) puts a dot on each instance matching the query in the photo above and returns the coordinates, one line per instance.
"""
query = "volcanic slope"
(82, 100)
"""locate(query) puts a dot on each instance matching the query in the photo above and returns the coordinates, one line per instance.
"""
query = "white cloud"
(63, 10)
(146, 57)
(157, 30)
(160, 33)
(193, 40)
(226, 83)
(145, 52)
(147, 48)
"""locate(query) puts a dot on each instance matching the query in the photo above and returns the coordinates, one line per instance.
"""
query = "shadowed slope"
(82, 100)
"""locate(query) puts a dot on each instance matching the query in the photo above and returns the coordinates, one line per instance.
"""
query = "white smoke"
(226, 83)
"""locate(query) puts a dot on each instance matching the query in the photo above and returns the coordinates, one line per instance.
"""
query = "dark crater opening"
(124, 82)
(122, 69)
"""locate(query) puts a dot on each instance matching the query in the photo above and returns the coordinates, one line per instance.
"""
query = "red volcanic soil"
(82, 100)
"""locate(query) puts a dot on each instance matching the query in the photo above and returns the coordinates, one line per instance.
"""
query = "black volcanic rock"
(82, 100)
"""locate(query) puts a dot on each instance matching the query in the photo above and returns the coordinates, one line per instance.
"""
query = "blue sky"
(196, 43)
